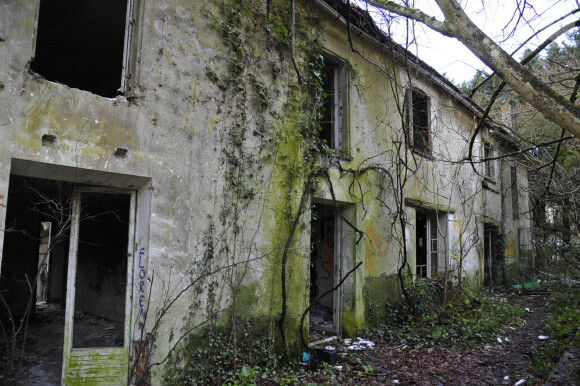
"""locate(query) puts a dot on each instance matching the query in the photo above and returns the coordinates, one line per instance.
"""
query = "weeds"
(471, 319)
(562, 325)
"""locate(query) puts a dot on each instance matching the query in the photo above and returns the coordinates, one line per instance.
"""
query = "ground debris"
(390, 362)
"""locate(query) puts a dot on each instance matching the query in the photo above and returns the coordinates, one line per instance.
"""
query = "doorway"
(493, 262)
(66, 261)
(325, 269)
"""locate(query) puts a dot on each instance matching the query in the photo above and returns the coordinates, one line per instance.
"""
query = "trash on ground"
(361, 344)
(543, 337)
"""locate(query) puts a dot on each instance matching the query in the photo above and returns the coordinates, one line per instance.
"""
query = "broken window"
(334, 122)
(490, 167)
(84, 44)
(326, 231)
(417, 121)
(430, 242)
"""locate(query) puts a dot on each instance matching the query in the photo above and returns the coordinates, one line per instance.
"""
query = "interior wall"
(57, 271)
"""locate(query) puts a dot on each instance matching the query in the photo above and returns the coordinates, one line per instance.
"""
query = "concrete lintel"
(414, 203)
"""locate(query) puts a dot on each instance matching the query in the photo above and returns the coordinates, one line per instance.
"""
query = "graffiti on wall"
(480, 251)
(328, 253)
(510, 248)
(142, 306)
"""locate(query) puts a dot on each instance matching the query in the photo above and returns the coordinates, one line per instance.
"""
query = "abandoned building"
(172, 169)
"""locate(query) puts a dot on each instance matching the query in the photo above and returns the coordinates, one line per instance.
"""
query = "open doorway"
(325, 269)
(493, 261)
(38, 274)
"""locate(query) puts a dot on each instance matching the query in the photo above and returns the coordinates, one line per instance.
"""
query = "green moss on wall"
(377, 292)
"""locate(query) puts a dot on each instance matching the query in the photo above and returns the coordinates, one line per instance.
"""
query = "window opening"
(324, 268)
(418, 121)
(82, 44)
(333, 123)
(490, 165)
(431, 230)
(43, 262)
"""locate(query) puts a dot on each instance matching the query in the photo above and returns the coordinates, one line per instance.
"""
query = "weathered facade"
(189, 179)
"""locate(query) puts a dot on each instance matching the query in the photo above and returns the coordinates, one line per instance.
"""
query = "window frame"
(131, 46)
(490, 167)
(337, 105)
(436, 243)
(411, 128)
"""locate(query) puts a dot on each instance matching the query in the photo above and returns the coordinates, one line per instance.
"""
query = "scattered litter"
(347, 342)
(499, 340)
(305, 357)
(518, 383)
(339, 368)
(543, 337)
(329, 348)
(506, 377)
(506, 339)
(361, 344)
(528, 310)
(395, 381)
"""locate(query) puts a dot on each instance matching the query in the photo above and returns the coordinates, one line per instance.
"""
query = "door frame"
(97, 364)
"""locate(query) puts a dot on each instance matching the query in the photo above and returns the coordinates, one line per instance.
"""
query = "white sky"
(449, 56)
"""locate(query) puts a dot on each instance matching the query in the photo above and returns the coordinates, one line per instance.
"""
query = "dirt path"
(499, 363)
(502, 363)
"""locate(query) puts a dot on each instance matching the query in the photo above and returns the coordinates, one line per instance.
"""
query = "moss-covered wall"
(222, 119)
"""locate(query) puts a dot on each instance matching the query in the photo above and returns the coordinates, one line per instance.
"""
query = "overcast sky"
(451, 57)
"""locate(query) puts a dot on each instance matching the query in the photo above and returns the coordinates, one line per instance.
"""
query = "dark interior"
(80, 43)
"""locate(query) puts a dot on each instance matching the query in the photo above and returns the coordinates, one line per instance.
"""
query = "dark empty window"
(417, 121)
(81, 43)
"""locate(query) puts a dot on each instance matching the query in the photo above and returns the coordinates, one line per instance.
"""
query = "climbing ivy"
(271, 146)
